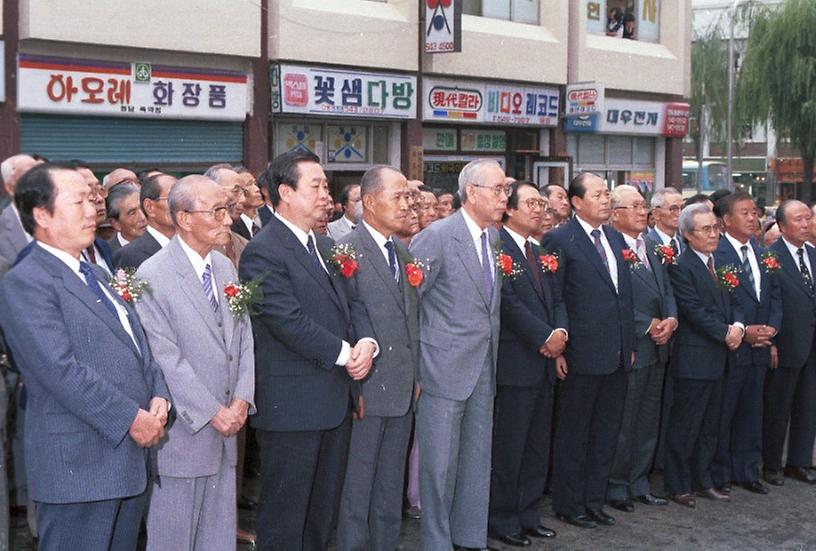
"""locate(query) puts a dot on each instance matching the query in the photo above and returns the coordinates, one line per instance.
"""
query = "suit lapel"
(336, 290)
(587, 247)
(469, 257)
(791, 266)
(512, 248)
(223, 275)
(191, 286)
(375, 258)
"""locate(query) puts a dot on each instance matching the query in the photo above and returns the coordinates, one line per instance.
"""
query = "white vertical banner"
(648, 20)
(443, 26)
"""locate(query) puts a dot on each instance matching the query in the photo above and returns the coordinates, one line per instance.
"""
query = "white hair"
(687, 216)
(472, 174)
(659, 197)
(618, 191)
(7, 167)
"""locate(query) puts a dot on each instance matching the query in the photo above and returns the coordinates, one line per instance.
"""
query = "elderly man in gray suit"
(459, 338)
(385, 284)
(12, 236)
(204, 346)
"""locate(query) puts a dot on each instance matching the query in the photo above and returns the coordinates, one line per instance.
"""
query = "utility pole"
(730, 122)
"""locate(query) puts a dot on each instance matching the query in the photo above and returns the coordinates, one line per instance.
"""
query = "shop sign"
(490, 103)
(633, 117)
(319, 91)
(2, 71)
(484, 140)
(443, 26)
(49, 84)
(439, 139)
(585, 98)
(582, 123)
(677, 120)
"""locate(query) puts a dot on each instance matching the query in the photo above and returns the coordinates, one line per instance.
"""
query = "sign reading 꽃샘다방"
(48, 84)
(489, 103)
(319, 91)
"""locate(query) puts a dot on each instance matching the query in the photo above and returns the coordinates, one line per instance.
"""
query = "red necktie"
(528, 252)
(91, 254)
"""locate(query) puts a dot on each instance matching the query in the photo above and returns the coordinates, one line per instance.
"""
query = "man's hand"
(146, 429)
(759, 335)
(226, 422)
(159, 407)
(417, 391)
(561, 367)
(555, 345)
(733, 338)
(360, 360)
(661, 330)
(358, 413)
(774, 357)
(241, 408)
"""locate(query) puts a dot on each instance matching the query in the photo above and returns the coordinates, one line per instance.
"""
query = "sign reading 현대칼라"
(48, 84)
(346, 93)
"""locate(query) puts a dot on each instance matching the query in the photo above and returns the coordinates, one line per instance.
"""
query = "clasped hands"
(360, 359)
(555, 344)
(733, 338)
(148, 427)
(660, 331)
(759, 336)
(229, 420)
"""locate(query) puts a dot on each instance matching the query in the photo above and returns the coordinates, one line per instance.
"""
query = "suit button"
(228, 392)
(407, 346)
(219, 324)
(229, 357)
(390, 349)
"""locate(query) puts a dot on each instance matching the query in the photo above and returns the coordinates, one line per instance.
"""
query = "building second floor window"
(629, 19)
(520, 11)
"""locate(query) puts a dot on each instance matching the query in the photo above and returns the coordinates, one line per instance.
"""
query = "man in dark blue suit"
(790, 386)
(710, 326)
(304, 361)
(740, 442)
(597, 287)
(655, 322)
(533, 335)
(92, 411)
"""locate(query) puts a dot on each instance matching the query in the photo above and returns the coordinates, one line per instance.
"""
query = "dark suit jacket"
(653, 298)
(105, 250)
(602, 335)
(706, 311)
(240, 228)
(81, 399)
(265, 214)
(392, 311)
(765, 311)
(795, 339)
(137, 251)
(114, 243)
(528, 317)
(299, 329)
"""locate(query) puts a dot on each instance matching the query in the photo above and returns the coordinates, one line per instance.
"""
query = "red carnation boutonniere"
(771, 262)
(344, 259)
(549, 263)
(508, 268)
(242, 297)
(728, 278)
(666, 254)
(415, 272)
(127, 285)
(631, 258)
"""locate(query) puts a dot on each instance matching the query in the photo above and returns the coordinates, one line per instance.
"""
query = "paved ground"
(785, 519)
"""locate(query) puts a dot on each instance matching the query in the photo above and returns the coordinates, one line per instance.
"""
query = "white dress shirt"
(792, 249)
(199, 265)
(381, 240)
(100, 260)
(162, 239)
(667, 240)
(752, 260)
(610, 255)
(248, 223)
(303, 237)
(122, 241)
(73, 265)
(476, 235)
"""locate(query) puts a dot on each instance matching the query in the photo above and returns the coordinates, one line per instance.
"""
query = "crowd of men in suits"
(497, 344)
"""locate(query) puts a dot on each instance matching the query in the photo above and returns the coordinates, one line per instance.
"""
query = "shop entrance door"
(552, 170)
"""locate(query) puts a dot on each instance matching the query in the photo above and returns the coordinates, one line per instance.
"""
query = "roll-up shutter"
(131, 141)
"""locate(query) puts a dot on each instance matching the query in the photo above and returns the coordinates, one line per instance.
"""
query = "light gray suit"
(371, 502)
(459, 338)
(12, 237)
(339, 228)
(208, 361)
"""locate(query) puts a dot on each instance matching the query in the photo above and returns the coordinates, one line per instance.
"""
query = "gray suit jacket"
(339, 228)
(12, 236)
(207, 360)
(653, 297)
(393, 313)
(458, 325)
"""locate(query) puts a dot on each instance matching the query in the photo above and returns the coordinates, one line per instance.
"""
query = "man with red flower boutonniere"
(739, 447)
(710, 328)
(533, 337)
(459, 339)
(597, 289)
(204, 346)
(384, 283)
(304, 360)
(655, 322)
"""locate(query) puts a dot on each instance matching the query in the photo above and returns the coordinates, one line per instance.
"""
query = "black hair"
(36, 189)
(512, 201)
(725, 205)
(698, 198)
(577, 187)
(284, 171)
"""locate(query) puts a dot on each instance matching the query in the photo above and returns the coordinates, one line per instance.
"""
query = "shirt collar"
(67, 259)
(534, 241)
(199, 264)
(736, 244)
(122, 240)
(247, 221)
(664, 237)
(519, 240)
(473, 227)
(162, 239)
(630, 241)
(792, 248)
(379, 238)
(703, 257)
(301, 235)
(587, 228)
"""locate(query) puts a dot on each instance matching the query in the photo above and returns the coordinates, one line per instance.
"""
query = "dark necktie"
(673, 245)
(94, 286)
(746, 267)
(534, 269)
(206, 282)
(313, 253)
(392, 259)
(255, 229)
(91, 254)
(804, 269)
(487, 273)
(711, 271)
(596, 237)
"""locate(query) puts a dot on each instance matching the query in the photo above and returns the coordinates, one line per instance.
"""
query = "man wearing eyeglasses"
(666, 204)
(160, 227)
(711, 325)
(206, 354)
(459, 337)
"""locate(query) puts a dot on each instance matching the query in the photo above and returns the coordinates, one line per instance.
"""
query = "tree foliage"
(778, 77)
(709, 86)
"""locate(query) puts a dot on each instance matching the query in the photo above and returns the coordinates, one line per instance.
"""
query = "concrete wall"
(497, 49)
(661, 68)
(381, 35)
(229, 28)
